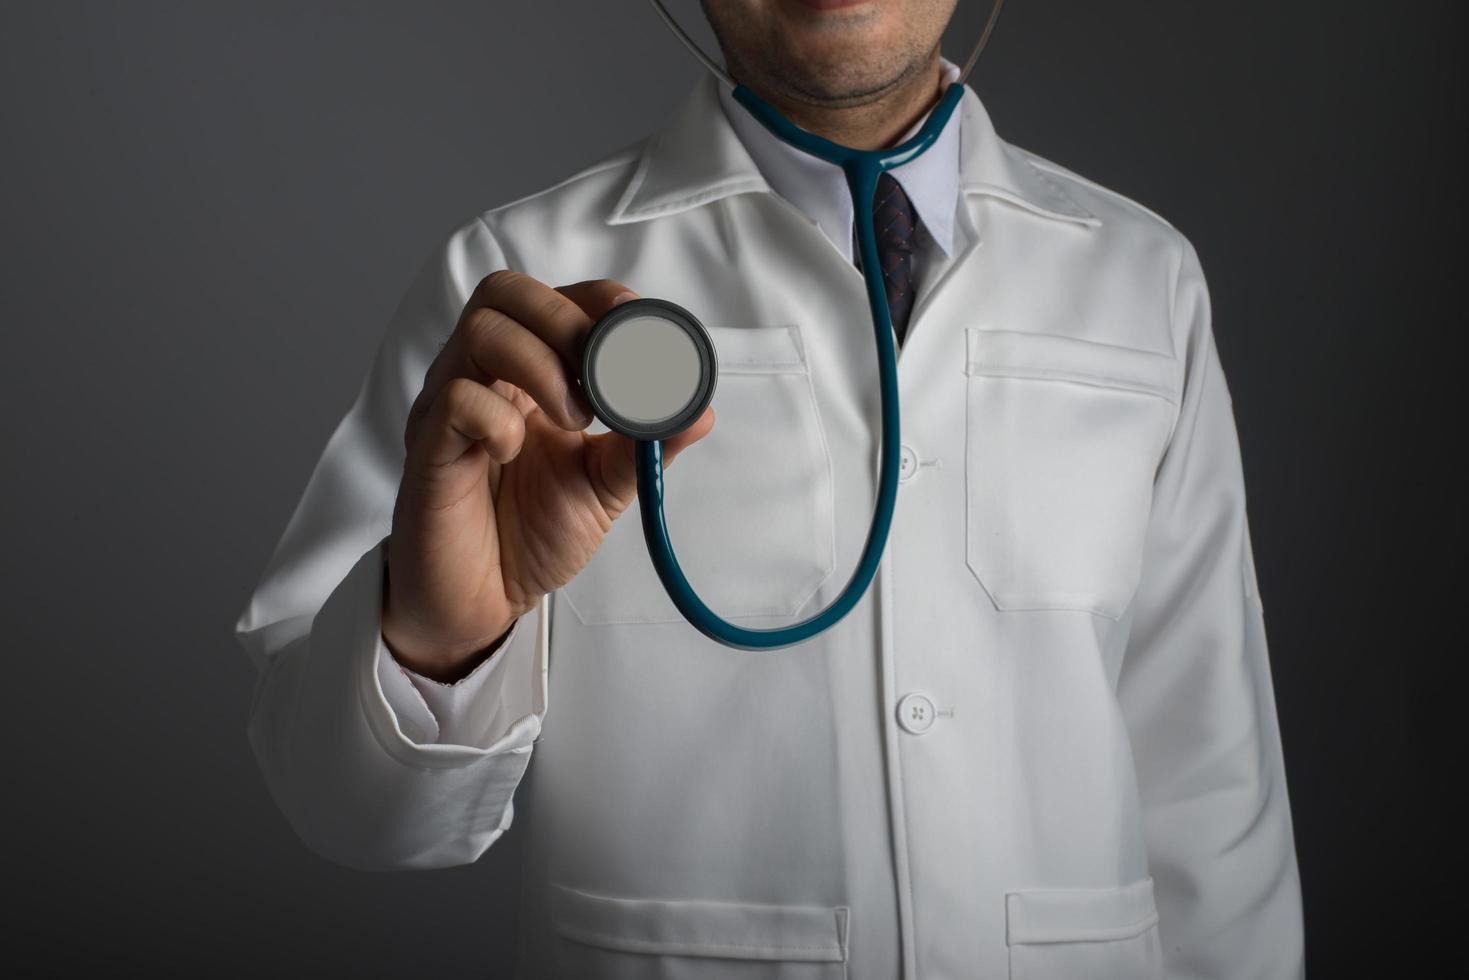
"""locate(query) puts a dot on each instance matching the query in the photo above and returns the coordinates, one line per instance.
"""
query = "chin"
(838, 55)
(842, 78)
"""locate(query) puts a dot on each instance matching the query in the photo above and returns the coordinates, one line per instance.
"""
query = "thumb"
(612, 461)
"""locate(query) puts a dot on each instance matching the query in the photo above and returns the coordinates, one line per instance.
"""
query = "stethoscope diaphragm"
(649, 369)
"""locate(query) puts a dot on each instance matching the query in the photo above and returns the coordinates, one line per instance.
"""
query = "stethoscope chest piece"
(649, 369)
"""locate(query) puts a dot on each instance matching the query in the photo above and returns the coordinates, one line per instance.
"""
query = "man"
(1044, 744)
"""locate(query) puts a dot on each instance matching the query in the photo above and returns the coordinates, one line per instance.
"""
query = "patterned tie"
(897, 225)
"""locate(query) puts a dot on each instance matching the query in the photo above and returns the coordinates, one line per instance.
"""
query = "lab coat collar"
(819, 190)
(697, 158)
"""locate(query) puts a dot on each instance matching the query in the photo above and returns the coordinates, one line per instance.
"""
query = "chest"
(1037, 395)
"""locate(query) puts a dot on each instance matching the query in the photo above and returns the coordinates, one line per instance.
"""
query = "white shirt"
(453, 713)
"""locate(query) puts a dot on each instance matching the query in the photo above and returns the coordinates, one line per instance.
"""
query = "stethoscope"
(649, 367)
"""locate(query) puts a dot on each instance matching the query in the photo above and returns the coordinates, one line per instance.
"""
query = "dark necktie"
(897, 225)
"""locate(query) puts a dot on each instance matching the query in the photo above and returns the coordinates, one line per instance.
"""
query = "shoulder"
(505, 235)
(1134, 251)
(1128, 226)
(1128, 230)
(586, 195)
(1112, 207)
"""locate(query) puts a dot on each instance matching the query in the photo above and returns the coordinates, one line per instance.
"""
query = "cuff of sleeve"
(416, 720)
(477, 709)
(402, 719)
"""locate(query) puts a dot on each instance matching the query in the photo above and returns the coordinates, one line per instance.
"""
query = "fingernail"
(575, 411)
(623, 297)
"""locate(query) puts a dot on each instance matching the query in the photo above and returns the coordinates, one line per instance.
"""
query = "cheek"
(930, 17)
(911, 27)
(734, 22)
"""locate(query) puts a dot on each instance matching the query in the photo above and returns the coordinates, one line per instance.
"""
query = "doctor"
(1044, 745)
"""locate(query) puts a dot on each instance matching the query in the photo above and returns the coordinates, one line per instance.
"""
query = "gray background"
(209, 210)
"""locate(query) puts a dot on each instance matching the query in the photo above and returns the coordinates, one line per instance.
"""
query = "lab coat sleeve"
(1195, 691)
(360, 784)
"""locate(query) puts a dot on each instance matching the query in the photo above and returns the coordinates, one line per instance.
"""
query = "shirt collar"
(818, 189)
(699, 158)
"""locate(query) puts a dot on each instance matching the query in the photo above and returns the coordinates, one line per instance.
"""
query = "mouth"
(825, 5)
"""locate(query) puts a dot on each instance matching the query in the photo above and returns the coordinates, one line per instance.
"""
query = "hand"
(503, 496)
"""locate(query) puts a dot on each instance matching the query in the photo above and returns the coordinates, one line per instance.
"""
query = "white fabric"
(458, 714)
(436, 712)
(1098, 791)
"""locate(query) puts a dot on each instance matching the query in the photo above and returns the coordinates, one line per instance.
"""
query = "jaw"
(831, 58)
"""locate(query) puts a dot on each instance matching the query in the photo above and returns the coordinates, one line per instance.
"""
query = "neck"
(874, 124)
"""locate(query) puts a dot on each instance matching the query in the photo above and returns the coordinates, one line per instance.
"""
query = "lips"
(831, 4)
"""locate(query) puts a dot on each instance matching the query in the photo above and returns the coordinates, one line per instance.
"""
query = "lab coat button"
(907, 464)
(915, 713)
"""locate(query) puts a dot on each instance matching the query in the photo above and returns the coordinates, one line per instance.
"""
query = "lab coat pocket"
(637, 939)
(1084, 933)
(1063, 440)
(749, 507)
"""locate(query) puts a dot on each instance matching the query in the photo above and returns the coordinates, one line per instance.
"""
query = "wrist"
(437, 663)
(427, 655)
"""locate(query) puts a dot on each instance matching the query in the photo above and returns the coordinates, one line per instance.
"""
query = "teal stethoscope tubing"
(862, 169)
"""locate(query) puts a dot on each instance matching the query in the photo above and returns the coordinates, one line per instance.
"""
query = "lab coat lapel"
(695, 159)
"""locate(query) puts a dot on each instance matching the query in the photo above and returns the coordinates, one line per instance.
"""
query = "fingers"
(560, 317)
(466, 412)
(595, 297)
(496, 346)
(519, 330)
(698, 430)
(612, 462)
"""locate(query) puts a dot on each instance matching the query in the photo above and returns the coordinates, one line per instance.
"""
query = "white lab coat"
(1043, 746)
